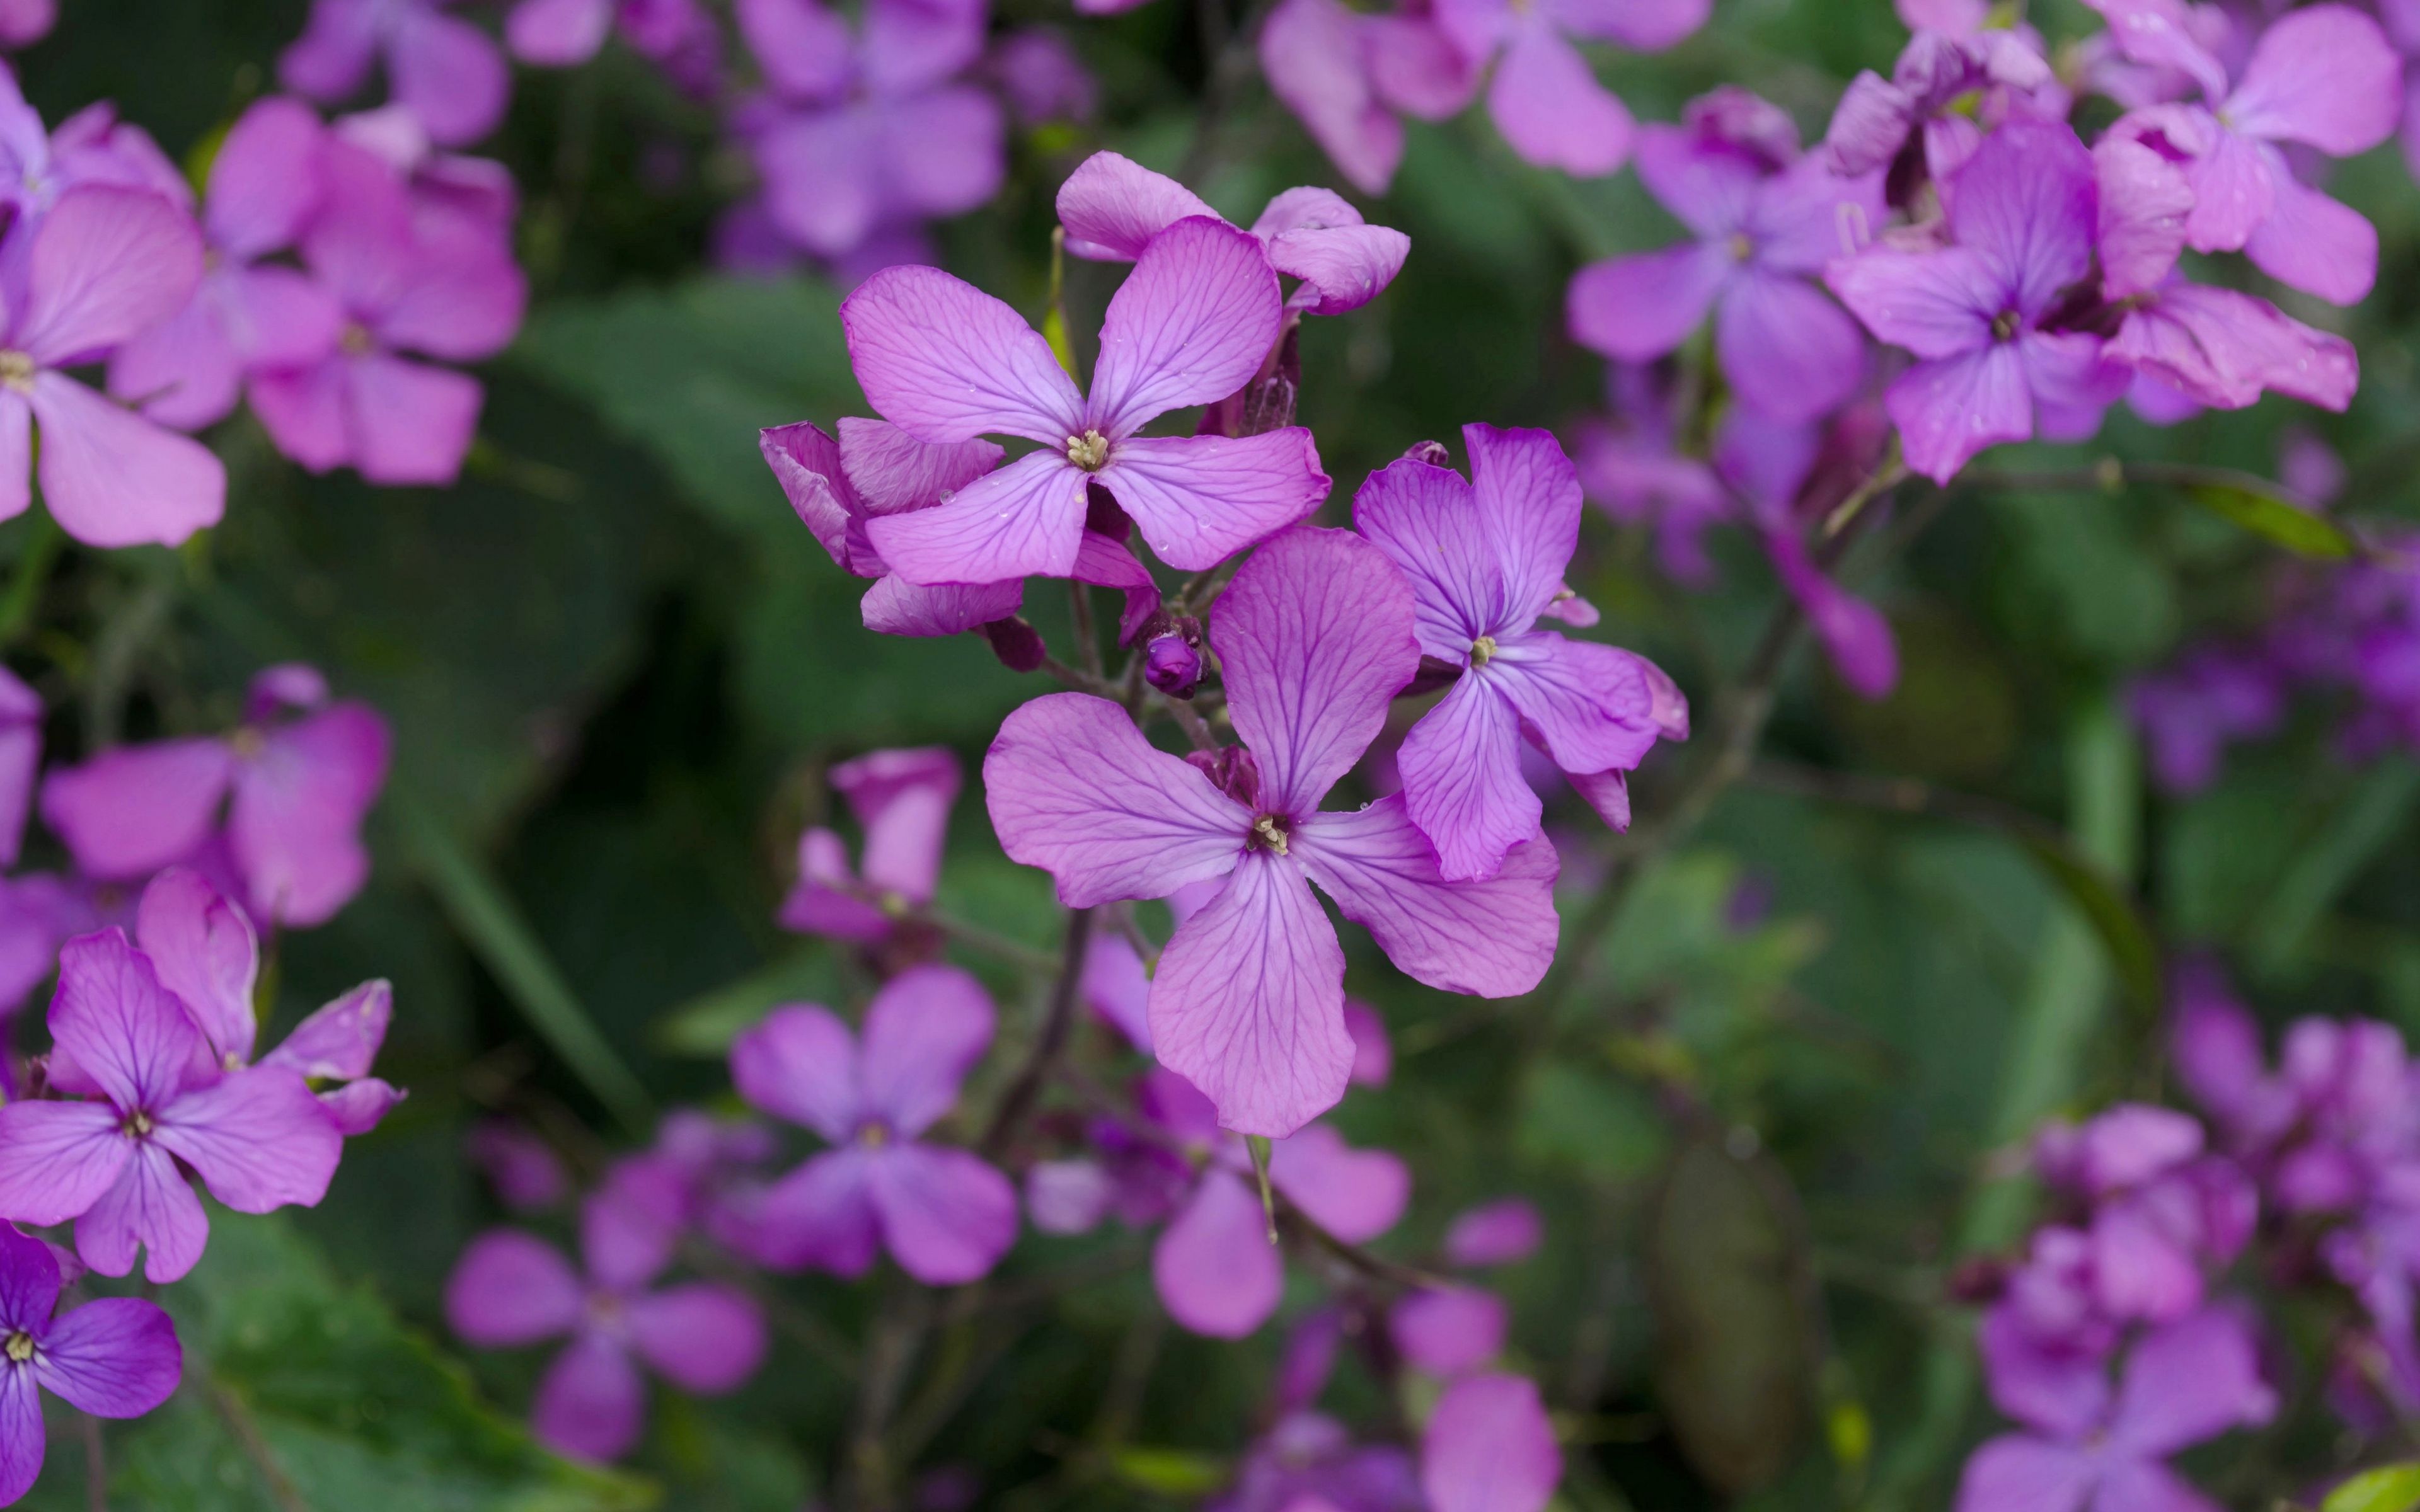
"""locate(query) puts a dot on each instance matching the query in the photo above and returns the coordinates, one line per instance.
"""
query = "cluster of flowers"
(2300, 1177)
(2028, 280)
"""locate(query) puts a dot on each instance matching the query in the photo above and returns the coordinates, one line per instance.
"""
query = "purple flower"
(1495, 1233)
(865, 134)
(2189, 714)
(1068, 1196)
(1111, 207)
(2322, 77)
(1485, 559)
(945, 1215)
(1544, 97)
(1629, 468)
(115, 1357)
(946, 364)
(902, 800)
(1317, 57)
(1948, 84)
(23, 22)
(1447, 1332)
(511, 1288)
(2021, 222)
(104, 265)
(301, 786)
(92, 146)
(2190, 1381)
(256, 1137)
(679, 35)
(1307, 1462)
(404, 289)
(446, 70)
(1042, 78)
(1762, 232)
(1489, 1448)
(523, 1169)
(1315, 636)
(205, 952)
(875, 468)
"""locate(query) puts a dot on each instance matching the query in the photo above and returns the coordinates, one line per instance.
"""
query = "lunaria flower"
(1315, 55)
(255, 1136)
(512, 1289)
(1502, 1232)
(450, 73)
(676, 34)
(303, 773)
(838, 487)
(2020, 221)
(1490, 1447)
(1485, 560)
(902, 801)
(1762, 232)
(1112, 207)
(205, 952)
(945, 1215)
(2187, 1382)
(946, 364)
(113, 1357)
(1949, 84)
(1315, 637)
(1544, 97)
(404, 289)
(104, 265)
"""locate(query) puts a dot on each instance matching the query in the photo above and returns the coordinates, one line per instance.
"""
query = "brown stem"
(96, 1466)
(1026, 1087)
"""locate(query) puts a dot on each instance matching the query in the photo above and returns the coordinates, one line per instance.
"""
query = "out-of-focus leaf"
(1168, 1472)
(2273, 517)
(2134, 953)
(2081, 583)
(2387, 1488)
(302, 1391)
(1734, 1358)
(2369, 819)
(706, 1024)
(1597, 1126)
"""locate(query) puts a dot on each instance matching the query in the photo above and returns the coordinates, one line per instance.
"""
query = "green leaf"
(2134, 952)
(2388, 1489)
(706, 1024)
(1168, 1472)
(2366, 822)
(302, 1391)
(2274, 517)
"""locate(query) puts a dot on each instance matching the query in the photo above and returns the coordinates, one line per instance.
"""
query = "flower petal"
(903, 798)
(1449, 1330)
(127, 1035)
(1191, 324)
(1489, 1448)
(2317, 244)
(2017, 1473)
(1639, 307)
(58, 1159)
(257, 1138)
(151, 1206)
(1790, 352)
(1075, 789)
(449, 73)
(264, 178)
(1427, 522)
(1950, 409)
(115, 1357)
(132, 811)
(558, 34)
(1111, 207)
(820, 1215)
(1936, 304)
(105, 264)
(800, 1064)
(947, 1216)
(1201, 499)
(1311, 52)
(21, 1434)
(705, 1339)
(202, 949)
(1548, 104)
(511, 1288)
(1355, 1195)
(340, 1040)
(1248, 1002)
(295, 825)
(2188, 1382)
(892, 471)
(1528, 498)
(946, 361)
(1214, 1267)
(592, 1403)
(1026, 519)
(410, 422)
(1460, 769)
(925, 1030)
(29, 1281)
(1343, 268)
(112, 478)
(2325, 76)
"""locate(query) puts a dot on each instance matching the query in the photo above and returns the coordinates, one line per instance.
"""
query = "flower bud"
(1172, 658)
(1433, 453)
(1018, 644)
(1232, 771)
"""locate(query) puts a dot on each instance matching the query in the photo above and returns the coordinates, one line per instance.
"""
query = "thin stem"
(1026, 1087)
(891, 1347)
(1188, 720)
(1082, 682)
(1088, 642)
(246, 1429)
(976, 937)
(96, 1466)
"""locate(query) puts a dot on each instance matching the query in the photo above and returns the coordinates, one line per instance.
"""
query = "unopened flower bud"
(1433, 453)
(1233, 770)
(1018, 644)
(1172, 659)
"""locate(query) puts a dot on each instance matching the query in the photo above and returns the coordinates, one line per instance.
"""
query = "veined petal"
(112, 478)
(203, 950)
(105, 264)
(2311, 242)
(894, 606)
(1214, 1267)
(2025, 206)
(511, 1288)
(1949, 410)
(892, 471)
(1494, 938)
(947, 1216)
(2324, 76)
(125, 1032)
(800, 1064)
(1936, 304)
(903, 798)
(1461, 766)
(29, 1281)
(1639, 307)
(21, 1434)
(1111, 207)
(115, 1357)
(150, 1206)
(1528, 498)
(1190, 325)
(925, 1030)
(1427, 522)
(340, 1040)
(946, 361)
(1315, 638)
(1593, 705)
(1073, 789)
(1248, 1002)
(257, 1138)
(56, 1158)
(1548, 104)
(1789, 352)
(1201, 499)
(1355, 1195)
(1343, 268)
(1023, 520)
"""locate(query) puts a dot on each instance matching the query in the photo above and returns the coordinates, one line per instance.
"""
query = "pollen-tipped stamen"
(1090, 450)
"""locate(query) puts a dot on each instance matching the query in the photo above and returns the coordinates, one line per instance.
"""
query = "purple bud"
(1018, 644)
(1233, 770)
(1172, 659)
(1433, 453)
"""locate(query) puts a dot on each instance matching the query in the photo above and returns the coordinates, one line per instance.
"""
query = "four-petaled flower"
(113, 1357)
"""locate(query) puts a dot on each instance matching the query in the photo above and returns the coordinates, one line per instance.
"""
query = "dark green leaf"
(2134, 952)
(2274, 517)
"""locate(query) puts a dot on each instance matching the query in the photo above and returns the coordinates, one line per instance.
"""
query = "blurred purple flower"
(523, 1169)
(113, 1357)
(678, 36)
(23, 22)
(447, 72)
(1307, 1462)
(902, 800)
(2190, 713)
(1495, 1233)
(1042, 79)
(1544, 96)
(1490, 1447)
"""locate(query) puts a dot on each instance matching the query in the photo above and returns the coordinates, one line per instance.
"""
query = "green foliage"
(2388, 1489)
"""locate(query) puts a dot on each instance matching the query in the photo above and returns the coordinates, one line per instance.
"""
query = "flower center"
(17, 371)
(1269, 831)
(1742, 247)
(356, 340)
(20, 1347)
(246, 742)
(1483, 651)
(873, 1134)
(137, 1124)
(1090, 450)
(2004, 326)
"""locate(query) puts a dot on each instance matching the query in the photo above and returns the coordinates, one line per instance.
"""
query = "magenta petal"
(16, 455)
(2017, 1473)
(924, 1032)
(2317, 244)
(1355, 1194)
(1343, 268)
(946, 1217)
(1027, 520)
(1528, 495)
(943, 152)
(115, 1357)
(704, 1339)
(2325, 76)
(1191, 324)
(807, 463)
(1311, 52)
(1592, 705)
(1116, 988)
(1373, 1058)
(1950, 410)
(1075, 789)
(511, 1288)
(1315, 638)
(911, 44)
(825, 900)
(21, 1434)
(30, 1278)
(1068, 1196)
(948, 362)
(1461, 767)
(264, 178)
(21, 761)
(894, 606)
(1789, 351)
(1637, 308)
(592, 1403)
(1644, 25)
(1549, 106)
(1448, 1331)
(1214, 1267)
(1495, 1233)
(303, 411)
(277, 317)
(295, 825)
(820, 1215)
(1489, 1448)
(410, 423)
(112, 478)
(1493, 938)
(1936, 304)
(111, 1017)
(2234, 191)
(257, 1138)
(331, 57)
(1111, 207)
(358, 1107)
(1248, 1002)
(2188, 1382)
(2144, 203)
(105, 264)
(892, 471)
(800, 1064)
(450, 74)
(339, 1041)
(1104, 562)
(823, 179)
(203, 950)
(1427, 520)
(558, 34)
(802, 47)
(58, 1159)
(1198, 500)
(184, 371)
(151, 1207)
(1855, 634)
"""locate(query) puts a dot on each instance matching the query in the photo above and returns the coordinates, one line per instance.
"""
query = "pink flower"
(446, 70)
(23, 22)
(946, 364)
(677, 35)
(1544, 97)
(255, 1136)
(511, 1288)
(301, 788)
(1486, 561)
(945, 1215)
(1489, 1448)
(1315, 637)
(902, 801)
(113, 1357)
